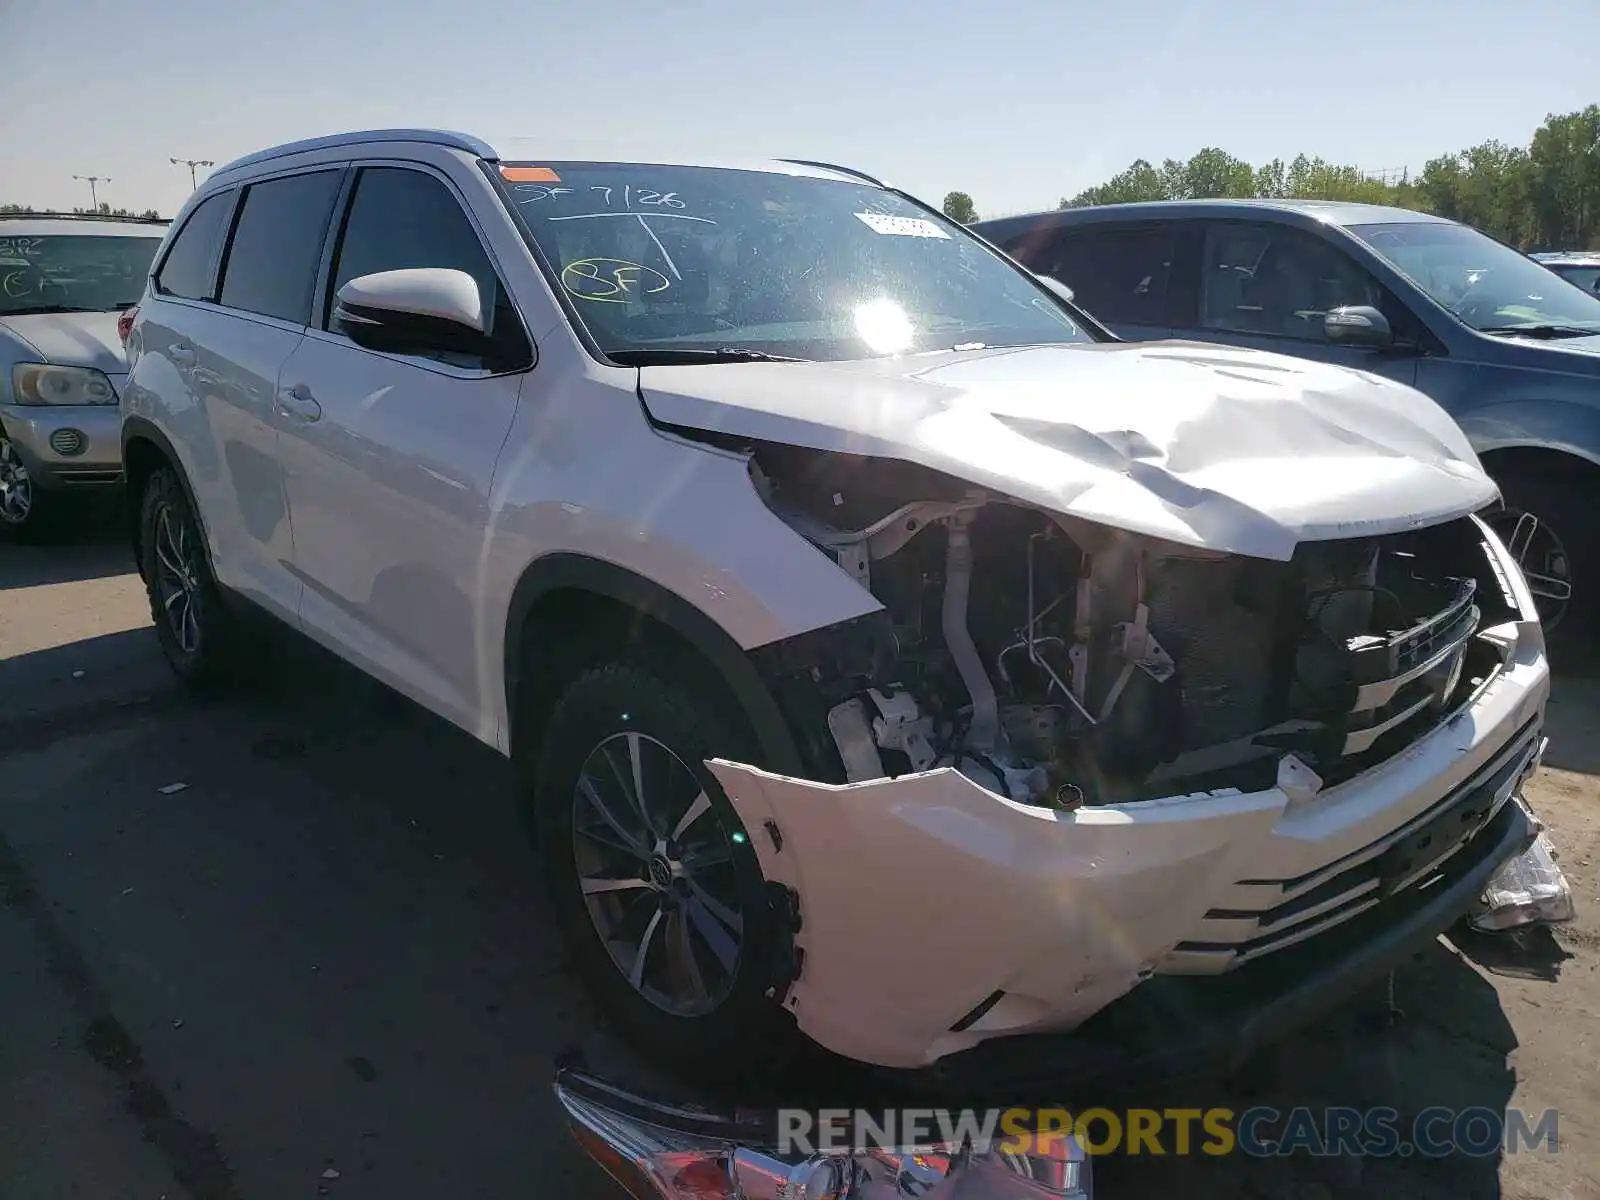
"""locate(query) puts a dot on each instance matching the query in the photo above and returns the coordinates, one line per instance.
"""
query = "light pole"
(91, 180)
(192, 163)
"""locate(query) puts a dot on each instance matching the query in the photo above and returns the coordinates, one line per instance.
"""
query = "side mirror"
(1056, 286)
(1358, 325)
(420, 310)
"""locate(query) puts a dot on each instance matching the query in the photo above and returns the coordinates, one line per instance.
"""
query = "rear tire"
(199, 634)
(1559, 552)
(643, 893)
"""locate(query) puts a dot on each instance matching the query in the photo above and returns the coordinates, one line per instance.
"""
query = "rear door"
(269, 267)
(1120, 273)
(1267, 286)
(391, 457)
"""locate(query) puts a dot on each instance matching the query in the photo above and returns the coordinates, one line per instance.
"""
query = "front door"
(1268, 286)
(389, 460)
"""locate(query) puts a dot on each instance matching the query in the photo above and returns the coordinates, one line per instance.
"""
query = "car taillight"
(125, 325)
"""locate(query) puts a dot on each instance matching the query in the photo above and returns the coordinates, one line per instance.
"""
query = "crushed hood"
(71, 339)
(1232, 450)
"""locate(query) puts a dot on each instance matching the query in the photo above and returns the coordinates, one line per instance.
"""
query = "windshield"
(90, 272)
(662, 260)
(1486, 284)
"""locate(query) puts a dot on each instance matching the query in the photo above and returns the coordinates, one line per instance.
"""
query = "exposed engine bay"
(1060, 662)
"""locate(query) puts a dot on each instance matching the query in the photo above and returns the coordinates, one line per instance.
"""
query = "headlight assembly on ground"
(658, 1152)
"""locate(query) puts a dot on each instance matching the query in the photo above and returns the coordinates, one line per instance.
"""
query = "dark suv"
(1510, 349)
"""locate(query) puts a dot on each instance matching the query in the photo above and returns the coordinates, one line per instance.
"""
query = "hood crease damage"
(1237, 451)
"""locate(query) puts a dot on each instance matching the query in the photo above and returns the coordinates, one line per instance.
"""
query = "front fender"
(1557, 425)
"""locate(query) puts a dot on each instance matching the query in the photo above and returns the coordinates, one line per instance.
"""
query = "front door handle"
(182, 356)
(298, 402)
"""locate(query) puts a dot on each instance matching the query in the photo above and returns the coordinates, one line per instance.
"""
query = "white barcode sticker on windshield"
(901, 226)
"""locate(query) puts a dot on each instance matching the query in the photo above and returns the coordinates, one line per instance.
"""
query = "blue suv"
(1509, 348)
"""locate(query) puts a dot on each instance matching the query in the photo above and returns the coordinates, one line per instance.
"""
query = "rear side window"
(1118, 273)
(272, 262)
(401, 219)
(186, 272)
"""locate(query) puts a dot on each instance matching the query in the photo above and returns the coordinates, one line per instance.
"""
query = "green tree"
(1214, 174)
(1141, 181)
(1543, 195)
(1563, 180)
(958, 207)
(1546, 194)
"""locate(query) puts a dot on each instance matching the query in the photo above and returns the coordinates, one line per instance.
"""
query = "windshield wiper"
(1543, 331)
(669, 356)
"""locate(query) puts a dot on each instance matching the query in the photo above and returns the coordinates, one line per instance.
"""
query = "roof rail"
(436, 137)
(827, 166)
(46, 214)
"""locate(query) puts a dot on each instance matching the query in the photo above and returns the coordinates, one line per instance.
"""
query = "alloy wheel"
(177, 578)
(16, 488)
(657, 873)
(1543, 558)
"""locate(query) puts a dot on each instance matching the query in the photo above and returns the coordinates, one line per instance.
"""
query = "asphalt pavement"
(281, 945)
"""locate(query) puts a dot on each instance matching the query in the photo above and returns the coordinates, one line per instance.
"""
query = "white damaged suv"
(886, 650)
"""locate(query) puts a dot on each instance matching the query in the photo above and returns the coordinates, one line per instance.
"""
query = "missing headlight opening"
(1060, 662)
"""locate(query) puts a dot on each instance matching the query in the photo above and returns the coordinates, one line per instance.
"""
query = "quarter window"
(187, 270)
(1277, 280)
(272, 261)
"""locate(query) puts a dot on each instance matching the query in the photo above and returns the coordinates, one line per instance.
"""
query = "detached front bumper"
(67, 445)
(936, 915)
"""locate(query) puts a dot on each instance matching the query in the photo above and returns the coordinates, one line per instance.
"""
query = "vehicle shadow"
(1569, 723)
(1445, 1042)
(92, 545)
(59, 691)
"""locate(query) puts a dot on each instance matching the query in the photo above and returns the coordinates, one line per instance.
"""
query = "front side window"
(401, 219)
(72, 273)
(1277, 280)
(663, 260)
(271, 266)
(1587, 278)
(1118, 273)
(1483, 283)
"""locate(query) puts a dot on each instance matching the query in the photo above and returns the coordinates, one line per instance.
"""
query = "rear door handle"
(182, 356)
(298, 402)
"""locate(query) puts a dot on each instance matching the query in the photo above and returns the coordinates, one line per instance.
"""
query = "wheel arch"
(561, 594)
(145, 450)
(1516, 457)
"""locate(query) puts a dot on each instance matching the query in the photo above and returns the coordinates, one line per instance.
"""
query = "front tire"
(25, 514)
(1550, 522)
(657, 890)
(198, 634)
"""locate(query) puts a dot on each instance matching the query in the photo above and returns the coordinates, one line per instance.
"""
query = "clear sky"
(1018, 104)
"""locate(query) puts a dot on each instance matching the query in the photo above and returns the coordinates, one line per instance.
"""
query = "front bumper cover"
(1177, 1025)
(99, 430)
(936, 916)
